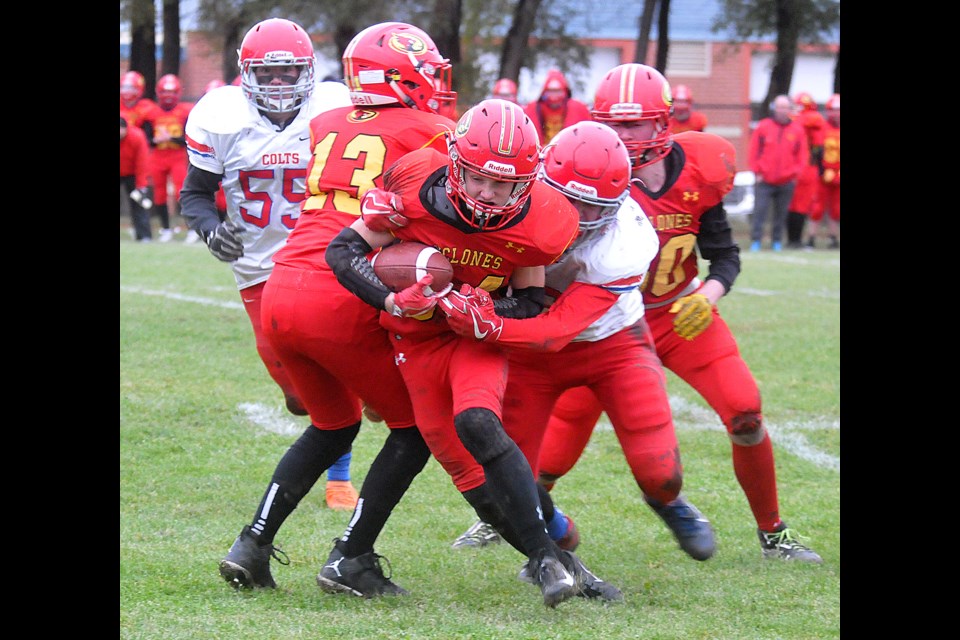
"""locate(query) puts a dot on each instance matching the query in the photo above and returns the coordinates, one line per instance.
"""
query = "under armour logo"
(516, 248)
(691, 196)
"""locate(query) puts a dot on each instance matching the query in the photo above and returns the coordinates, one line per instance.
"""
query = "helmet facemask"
(277, 98)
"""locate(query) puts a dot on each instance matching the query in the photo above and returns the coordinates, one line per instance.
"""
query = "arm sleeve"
(198, 203)
(717, 246)
(579, 306)
(524, 303)
(347, 256)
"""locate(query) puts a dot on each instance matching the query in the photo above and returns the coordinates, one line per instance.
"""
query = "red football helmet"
(832, 107)
(495, 139)
(587, 161)
(168, 91)
(631, 93)
(505, 89)
(398, 63)
(214, 84)
(276, 43)
(804, 102)
(132, 86)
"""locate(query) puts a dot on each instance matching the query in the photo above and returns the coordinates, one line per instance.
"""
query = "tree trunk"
(171, 37)
(143, 52)
(643, 35)
(663, 37)
(445, 29)
(515, 44)
(788, 35)
(836, 73)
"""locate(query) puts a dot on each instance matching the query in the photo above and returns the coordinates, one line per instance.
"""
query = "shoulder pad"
(223, 110)
(328, 95)
(714, 157)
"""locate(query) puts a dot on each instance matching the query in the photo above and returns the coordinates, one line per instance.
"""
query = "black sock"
(403, 456)
(296, 473)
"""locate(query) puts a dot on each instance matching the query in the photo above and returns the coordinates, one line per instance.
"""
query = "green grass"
(193, 467)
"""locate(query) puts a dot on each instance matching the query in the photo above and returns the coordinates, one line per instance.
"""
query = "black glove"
(143, 197)
(224, 242)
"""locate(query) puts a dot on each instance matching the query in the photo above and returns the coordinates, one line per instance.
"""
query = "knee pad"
(482, 434)
(746, 429)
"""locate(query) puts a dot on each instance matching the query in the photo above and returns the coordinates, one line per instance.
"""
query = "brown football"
(403, 264)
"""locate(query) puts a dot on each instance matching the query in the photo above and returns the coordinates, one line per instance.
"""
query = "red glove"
(470, 313)
(380, 210)
(415, 299)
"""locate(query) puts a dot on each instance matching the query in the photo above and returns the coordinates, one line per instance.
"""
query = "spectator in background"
(168, 156)
(777, 154)
(505, 89)
(804, 200)
(133, 106)
(555, 108)
(134, 172)
(829, 182)
(684, 118)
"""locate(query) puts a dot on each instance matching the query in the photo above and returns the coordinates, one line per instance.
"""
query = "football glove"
(418, 299)
(381, 211)
(224, 242)
(694, 315)
(142, 197)
(470, 313)
(830, 176)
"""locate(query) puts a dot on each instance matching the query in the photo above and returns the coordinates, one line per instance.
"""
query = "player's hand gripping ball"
(403, 264)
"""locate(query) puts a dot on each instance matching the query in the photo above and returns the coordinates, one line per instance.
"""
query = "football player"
(328, 342)
(598, 318)
(690, 336)
(133, 106)
(828, 179)
(252, 141)
(481, 205)
(164, 126)
(807, 192)
(684, 118)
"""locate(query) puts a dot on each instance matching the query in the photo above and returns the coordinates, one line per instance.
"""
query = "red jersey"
(831, 154)
(709, 164)
(550, 121)
(136, 114)
(538, 235)
(172, 123)
(814, 125)
(696, 122)
(135, 156)
(356, 148)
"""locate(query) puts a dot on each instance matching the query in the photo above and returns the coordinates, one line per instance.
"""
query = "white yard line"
(223, 304)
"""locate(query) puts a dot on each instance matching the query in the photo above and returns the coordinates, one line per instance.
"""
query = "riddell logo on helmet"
(576, 187)
(496, 167)
(275, 57)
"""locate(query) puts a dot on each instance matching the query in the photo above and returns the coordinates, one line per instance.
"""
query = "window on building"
(688, 59)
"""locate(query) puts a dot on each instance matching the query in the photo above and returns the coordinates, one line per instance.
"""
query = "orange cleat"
(341, 496)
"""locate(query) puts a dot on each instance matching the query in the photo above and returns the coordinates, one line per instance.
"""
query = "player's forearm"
(347, 256)
(198, 204)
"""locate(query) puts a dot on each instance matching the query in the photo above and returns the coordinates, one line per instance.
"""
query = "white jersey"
(264, 170)
(615, 257)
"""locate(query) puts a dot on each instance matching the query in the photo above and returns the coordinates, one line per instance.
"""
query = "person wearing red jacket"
(777, 154)
(134, 177)
(829, 179)
(164, 126)
(805, 196)
(684, 118)
(555, 109)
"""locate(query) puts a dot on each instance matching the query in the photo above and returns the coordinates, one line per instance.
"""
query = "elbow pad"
(524, 303)
(347, 256)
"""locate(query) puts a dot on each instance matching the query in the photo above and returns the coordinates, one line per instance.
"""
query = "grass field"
(202, 428)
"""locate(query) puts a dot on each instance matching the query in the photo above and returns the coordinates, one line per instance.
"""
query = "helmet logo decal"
(407, 43)
(278, 57)
(361, 115)
(666, 95)
(464, 125)
(584, 189)
(508, 128)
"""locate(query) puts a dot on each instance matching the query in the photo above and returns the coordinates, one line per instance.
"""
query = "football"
(403, 264)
